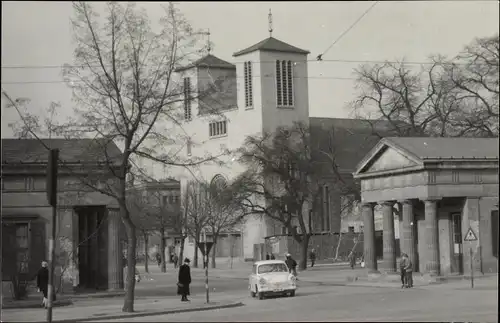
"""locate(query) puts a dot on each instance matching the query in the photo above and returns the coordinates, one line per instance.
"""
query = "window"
(284, 83)
(272, 268)
(218, 128)
(351, 229)
(248, 84)
(188, 147)
(164, 200)
(187, 98)
(30, 183)
(22, 244)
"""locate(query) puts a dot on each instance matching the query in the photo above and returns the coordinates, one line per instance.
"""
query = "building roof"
(208, 61)
(353, 138)
(447, 148)
(272, 44)
(26, 151)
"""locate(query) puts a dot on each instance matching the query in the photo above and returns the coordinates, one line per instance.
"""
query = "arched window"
(219, 182)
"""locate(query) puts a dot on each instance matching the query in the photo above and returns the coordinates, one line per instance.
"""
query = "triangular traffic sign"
(202, 246)
(470, 235)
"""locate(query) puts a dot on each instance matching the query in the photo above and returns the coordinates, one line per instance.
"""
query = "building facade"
(448, 192)
(89, 228)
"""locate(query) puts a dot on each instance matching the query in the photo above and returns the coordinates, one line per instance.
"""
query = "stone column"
(370, 253)
(389, 239)
(115, 268)
(407, 232)
(432, 236)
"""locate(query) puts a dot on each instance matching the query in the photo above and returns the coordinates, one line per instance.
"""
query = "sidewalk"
(108, 310)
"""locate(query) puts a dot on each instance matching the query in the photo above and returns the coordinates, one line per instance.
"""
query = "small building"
(89, 228)
(447, 188)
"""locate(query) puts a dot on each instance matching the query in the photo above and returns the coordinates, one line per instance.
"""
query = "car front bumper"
(281, 288)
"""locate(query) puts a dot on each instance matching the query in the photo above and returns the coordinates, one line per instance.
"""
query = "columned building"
(89, 228)
(446, 187)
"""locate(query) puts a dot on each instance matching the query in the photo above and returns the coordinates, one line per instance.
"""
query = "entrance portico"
(443, 187)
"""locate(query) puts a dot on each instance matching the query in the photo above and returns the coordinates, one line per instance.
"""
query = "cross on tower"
(270, 18)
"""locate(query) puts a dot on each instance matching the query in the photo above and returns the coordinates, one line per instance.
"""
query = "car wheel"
(260, 294)
(292, 293)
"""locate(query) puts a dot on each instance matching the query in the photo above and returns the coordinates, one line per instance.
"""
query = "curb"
(152, 313)
(11, 306)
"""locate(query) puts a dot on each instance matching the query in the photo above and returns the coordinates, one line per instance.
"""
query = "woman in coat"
(42, 282)
(184, 280)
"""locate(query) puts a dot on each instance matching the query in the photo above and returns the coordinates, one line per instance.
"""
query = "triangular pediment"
(387, 157)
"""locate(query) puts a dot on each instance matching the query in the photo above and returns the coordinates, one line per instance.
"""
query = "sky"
(39, 34)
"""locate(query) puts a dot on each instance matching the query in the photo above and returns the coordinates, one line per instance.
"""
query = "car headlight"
(262, 281)
(292, 278)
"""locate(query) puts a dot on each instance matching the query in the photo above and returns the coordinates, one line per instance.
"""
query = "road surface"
(343, 303)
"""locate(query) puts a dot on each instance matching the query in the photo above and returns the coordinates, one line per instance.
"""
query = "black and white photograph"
(250, 161)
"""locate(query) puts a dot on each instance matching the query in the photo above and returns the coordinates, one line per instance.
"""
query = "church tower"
(274, 81)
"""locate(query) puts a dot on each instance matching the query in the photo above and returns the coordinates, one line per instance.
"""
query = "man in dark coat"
(312, 256)
(184, 280)
(291, 264)
(42, 282)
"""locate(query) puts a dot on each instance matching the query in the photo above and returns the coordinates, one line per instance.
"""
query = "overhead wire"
(320, 56)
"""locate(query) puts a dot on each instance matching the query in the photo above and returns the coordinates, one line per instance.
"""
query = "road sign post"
(471, 236)
(205, 250)
(52, 166)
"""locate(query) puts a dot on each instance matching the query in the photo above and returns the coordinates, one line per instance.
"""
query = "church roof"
(208, 61)
(272, 44)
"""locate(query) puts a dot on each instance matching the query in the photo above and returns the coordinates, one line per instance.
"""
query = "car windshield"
(273, 268)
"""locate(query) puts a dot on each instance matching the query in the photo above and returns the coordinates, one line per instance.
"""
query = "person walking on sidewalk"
(42, 282)
(176, 260)
(312, 256)
(408, 271)
(158, 259)
(292, 264)
(184, 280)
(352, 259)
(402, 270)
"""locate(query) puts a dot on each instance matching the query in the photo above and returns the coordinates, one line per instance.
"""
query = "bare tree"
(196, 212)
(43, 123)
(224, 213)
(474, 75)
(443, 98)
(280, 184)
(123, 82)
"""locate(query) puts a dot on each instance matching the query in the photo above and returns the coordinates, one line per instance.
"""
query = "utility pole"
(52, 167)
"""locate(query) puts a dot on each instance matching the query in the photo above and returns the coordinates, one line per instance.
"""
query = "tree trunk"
(304, 245)
(213, 252)
(128, 304)
(195, 256)
(181, 252)
(162, 251)
(337, 249)
(146, 256)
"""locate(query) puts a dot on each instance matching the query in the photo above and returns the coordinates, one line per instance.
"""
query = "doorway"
(92, 248)
(457, 244)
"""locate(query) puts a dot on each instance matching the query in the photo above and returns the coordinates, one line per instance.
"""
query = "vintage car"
(271, 277)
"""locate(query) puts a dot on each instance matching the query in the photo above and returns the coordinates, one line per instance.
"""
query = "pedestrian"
(312, 256)
(42, 282)
(184, 280)
(292, 264)
(272, 256)
(268, 256)
(402, 270)
(352, 259)
(176, 260)
(158, 259)
(408, 271)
